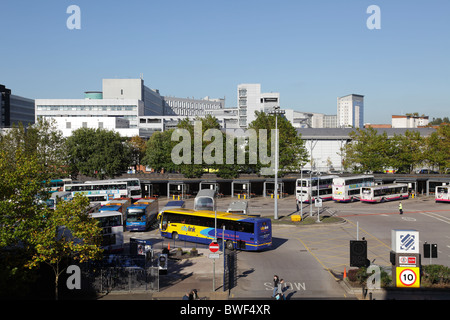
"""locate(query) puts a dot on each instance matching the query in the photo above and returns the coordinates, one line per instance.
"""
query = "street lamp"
(276, 110)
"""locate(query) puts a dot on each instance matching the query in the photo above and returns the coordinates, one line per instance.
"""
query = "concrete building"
(250, 99)
(409, 121)
(15, 109)
(68, 124)
(324, 145)
(350, 111)
(129, 99)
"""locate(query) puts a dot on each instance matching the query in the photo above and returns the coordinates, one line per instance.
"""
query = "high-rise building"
(350, 111)
(15, 109)
(250, 99)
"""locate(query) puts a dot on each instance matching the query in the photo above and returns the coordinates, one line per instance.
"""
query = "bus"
(99, 191)
(306, 188)
(142, 215)
(205, 199)
(134, 185)
(241, 231)
(112, 229)
(348, 189)
(58, 196)
(443, 194)
(385, 192)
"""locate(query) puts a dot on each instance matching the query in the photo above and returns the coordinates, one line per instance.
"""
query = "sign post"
(405, 258)
(214, 247)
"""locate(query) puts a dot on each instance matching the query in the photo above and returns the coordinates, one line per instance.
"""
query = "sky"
(311, 52)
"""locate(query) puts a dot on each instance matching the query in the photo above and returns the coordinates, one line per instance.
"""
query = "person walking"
(400, 208)
(276, 280)
(280, 290)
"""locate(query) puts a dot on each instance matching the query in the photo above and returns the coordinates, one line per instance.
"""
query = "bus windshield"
(135, 215)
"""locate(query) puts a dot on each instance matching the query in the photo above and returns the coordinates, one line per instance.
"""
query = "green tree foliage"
(406, 151)
(367, 152)
(97, 152)
(158, 150)
(292, 152)
(66, 234)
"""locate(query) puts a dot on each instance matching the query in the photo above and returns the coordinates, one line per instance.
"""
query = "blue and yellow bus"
(241, 231)
(141, 215)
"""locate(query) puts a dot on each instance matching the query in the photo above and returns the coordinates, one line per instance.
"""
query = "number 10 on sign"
(408, 277)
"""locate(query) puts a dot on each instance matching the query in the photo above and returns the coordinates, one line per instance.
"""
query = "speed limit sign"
(408, 277)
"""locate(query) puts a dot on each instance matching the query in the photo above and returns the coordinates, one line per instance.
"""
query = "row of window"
(85, 108)
(208, 222)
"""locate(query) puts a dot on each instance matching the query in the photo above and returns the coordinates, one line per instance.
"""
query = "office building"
(350, 111)
(250, 100)
(15, 109)
(409, 121)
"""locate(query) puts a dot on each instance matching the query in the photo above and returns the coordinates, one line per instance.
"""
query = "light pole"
(276, 111)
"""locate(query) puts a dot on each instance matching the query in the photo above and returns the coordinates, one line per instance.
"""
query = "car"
(427, 171)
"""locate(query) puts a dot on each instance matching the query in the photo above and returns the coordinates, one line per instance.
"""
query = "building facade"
(409, 121)
(250, 100)
(15, 109)
(350, 111)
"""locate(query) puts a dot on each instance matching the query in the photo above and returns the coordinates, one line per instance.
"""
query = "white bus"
(385, 192)
(134, 184)
(348, 189)
(99, 191)
(306, 188)
(112, 229)
(443, 194)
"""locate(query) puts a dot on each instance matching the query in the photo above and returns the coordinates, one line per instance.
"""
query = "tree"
(368, 151)
(158, 150)
(406, 151)
(66, 234)
(292, 152)
(138, 149)
(97, 152)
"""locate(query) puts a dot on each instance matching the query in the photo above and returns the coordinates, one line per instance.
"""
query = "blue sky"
(309, 51)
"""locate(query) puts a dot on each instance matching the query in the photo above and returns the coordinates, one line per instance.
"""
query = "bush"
(435, 275)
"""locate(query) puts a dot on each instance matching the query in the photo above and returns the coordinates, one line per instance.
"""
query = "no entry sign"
(214, 247)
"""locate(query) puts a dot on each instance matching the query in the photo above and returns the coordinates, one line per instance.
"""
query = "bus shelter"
(269, 188)
(241, 189)
(412, 185)
(177, 190)
(209, 184)
(435, 182)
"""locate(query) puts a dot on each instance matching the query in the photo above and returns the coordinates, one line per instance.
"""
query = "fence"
(121, 273)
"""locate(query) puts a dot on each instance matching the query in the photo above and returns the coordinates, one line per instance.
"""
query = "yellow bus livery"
(241, 231)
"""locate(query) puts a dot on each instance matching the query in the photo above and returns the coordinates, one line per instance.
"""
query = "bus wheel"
(175, 236)
(229, 244)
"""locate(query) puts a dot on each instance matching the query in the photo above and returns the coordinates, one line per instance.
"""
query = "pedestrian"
(400, 207)
(280, 290)
(276, 280)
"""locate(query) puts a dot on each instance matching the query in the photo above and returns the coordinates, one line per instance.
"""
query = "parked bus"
(241, 231)
(306, 188)
(385, 192)
(142, 215)
(58, 196)
(348, 189)
(99, 191)
(443, 194)
(205, 199)
(134, 185)
(112, 229)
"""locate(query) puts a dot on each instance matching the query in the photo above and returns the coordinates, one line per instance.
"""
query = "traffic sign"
(214, 247)
(408, 277)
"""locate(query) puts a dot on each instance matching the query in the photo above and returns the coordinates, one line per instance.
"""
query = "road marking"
(435, 216)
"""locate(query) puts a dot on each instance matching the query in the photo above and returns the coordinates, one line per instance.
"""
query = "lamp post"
(276, 111)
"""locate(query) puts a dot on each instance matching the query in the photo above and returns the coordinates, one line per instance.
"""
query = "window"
(84, 124)
(68, 125)
(100, 125)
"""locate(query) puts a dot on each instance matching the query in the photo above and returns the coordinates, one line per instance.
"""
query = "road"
(311, 259)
